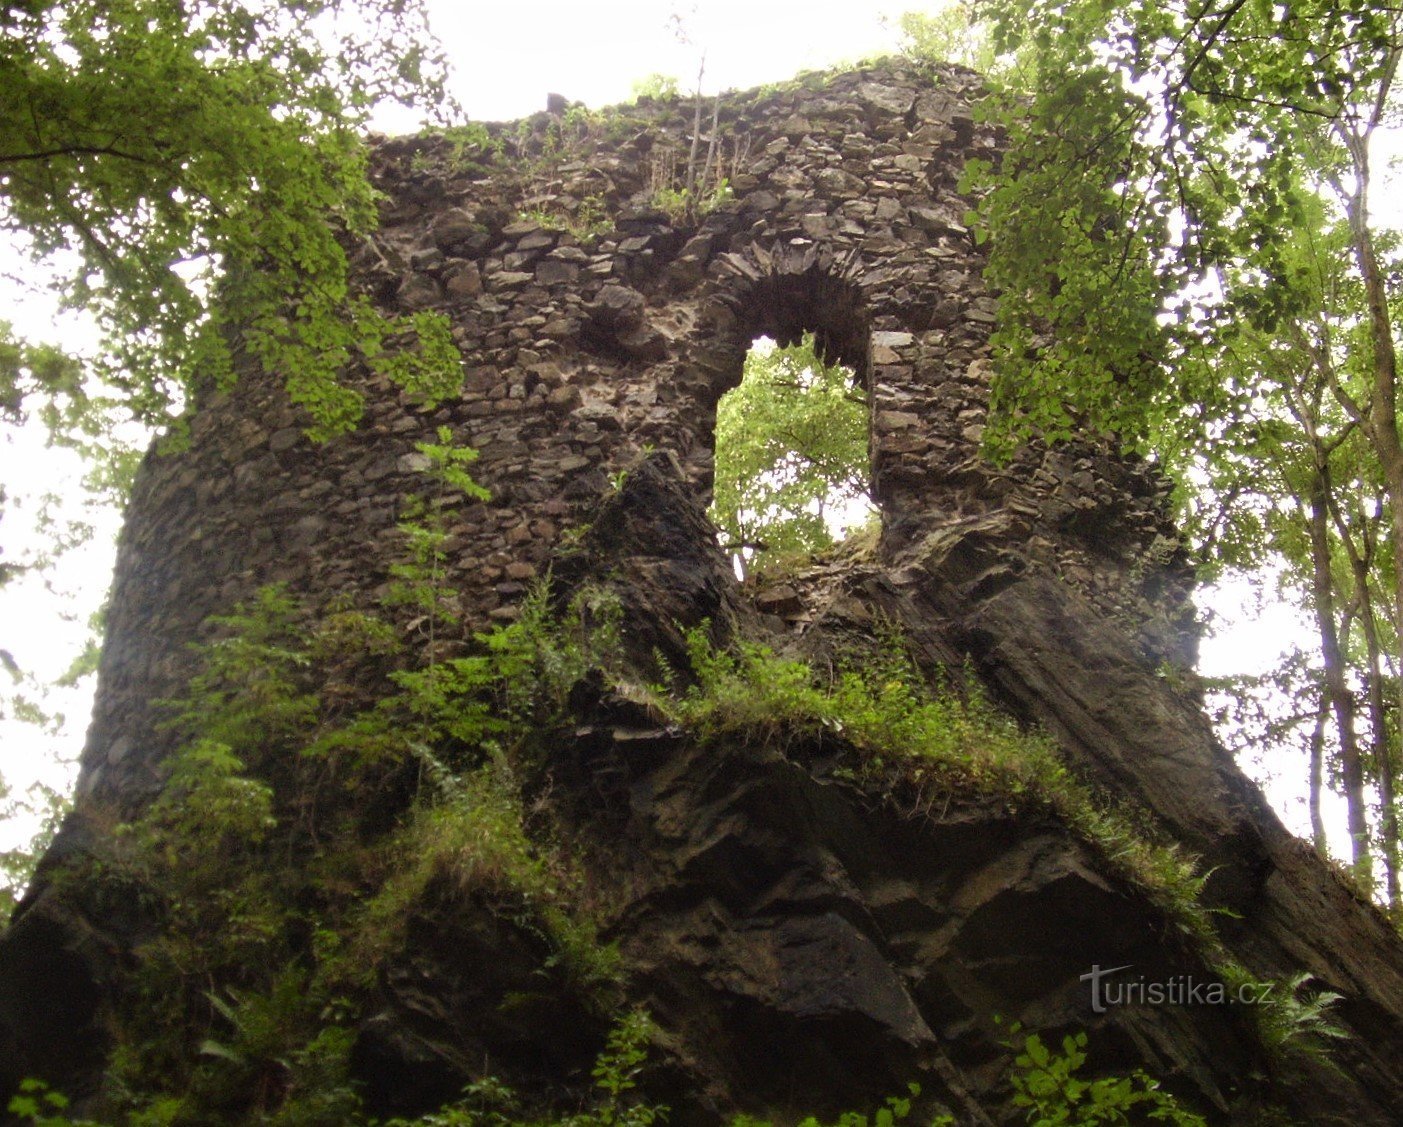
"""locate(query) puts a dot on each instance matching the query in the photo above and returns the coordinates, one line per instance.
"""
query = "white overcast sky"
(507, 58)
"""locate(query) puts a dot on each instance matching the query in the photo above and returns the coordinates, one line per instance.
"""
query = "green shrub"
(490, 1103)
(954, 742)
(275, 893)
(1046, 1084)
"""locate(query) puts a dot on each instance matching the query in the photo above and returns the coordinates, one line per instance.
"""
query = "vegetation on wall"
(953, 744)
(1188, 241)
(294, 839)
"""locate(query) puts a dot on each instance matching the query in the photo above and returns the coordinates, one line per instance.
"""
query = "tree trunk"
(1317, 777)
(1336, 686)
(1382, 745)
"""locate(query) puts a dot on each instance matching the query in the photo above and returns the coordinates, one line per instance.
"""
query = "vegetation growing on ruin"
(792, 463)
(337, 775)
(327, 789)
(925, 746)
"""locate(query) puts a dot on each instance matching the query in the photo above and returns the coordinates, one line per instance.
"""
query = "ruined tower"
(800, 943)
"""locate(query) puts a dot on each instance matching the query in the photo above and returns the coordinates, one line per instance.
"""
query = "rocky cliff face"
(804, 939)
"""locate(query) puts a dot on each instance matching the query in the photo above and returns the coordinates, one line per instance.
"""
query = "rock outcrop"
(803, 943)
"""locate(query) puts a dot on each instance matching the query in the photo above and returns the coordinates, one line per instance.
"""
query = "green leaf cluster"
(791, 454)
(1045, 1082)
(196, 172)
(298, 829)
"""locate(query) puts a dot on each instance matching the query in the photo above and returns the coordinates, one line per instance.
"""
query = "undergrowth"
(1046, 1088)
(330, 772)
(335, 773)
(953, 744)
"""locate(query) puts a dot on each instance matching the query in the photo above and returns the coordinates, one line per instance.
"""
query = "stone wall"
(594, 326)
(805, 942)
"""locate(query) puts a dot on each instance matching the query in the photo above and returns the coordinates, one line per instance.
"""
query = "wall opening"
(793, 468)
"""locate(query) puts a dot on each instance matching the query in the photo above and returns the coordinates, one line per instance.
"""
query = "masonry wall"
(594, 326)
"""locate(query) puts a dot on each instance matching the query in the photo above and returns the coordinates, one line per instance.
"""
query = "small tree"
(791, 455)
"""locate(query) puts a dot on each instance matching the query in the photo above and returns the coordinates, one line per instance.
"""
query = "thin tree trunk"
(1382, 744)
(691, 185)
(711, 148)
(1336, 685)
(1381, 423)
(1317, 777)
(1360, 541)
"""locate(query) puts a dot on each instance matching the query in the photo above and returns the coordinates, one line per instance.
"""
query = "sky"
(507, 58)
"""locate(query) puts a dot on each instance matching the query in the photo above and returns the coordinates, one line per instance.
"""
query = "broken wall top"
(594, 325)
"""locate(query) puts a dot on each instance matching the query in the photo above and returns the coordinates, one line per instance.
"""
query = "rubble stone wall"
(595, 326)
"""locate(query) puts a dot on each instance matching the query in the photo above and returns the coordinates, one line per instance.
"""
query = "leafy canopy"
(1136, 224)
(192, 174)
(791, 453)
(1183, 237)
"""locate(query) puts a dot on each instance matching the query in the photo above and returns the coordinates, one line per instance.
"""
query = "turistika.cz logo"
(1176, 990)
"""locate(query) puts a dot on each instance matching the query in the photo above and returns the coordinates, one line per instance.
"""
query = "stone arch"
(781, 293)
(786, 292)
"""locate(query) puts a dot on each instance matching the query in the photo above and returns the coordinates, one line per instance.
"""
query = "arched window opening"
(792, 461)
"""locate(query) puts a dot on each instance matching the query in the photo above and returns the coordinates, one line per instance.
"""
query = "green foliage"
(256, 843)
(470, 143)
(1046, 1084)
(683, 205)
(198, 166)
(447, 468)
(1078, 339)
(655, 87)
(1299, 1021)
(941, 746)
(418, 579)
(1160, 149)
(688, 185)
(278, 888)
(791, 454)
(894, 1110)
(588, 221)
(951, 744)
(37, 1104)
(276, 913)
(466, 835)
(1186, 254)
(490, 1103)
(950, 34)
